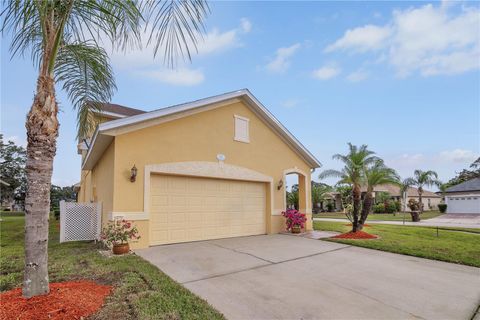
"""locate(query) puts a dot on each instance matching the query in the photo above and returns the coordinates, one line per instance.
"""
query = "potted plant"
(118, 233)
(295, 220)
(414, 206)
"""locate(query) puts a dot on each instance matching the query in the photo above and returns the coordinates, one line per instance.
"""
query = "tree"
(292, 197)
(420, 180)
(355, 162)
(63, 37)
(12, 170)
(319, 192)
(465, 174)
(375, 174)
(58, 194)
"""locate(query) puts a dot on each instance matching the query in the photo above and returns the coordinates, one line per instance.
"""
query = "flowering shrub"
(294, 218)
(119, 232)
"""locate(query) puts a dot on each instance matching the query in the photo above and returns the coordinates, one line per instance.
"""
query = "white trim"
(462, 195)
(237, 138)
(244, 94)
(129, 215)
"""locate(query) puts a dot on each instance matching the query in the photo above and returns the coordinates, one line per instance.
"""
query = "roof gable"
(106, 131)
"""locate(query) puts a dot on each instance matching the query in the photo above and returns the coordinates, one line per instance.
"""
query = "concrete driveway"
(287, 277)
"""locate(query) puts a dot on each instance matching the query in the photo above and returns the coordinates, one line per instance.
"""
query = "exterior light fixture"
(133, 174)
(280, 184)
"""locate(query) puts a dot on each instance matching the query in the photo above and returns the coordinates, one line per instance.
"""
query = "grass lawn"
(380, 216)
(141, 290)
(451, 246)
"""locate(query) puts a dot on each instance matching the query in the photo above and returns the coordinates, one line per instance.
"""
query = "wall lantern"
(133, 174)
(280, 184)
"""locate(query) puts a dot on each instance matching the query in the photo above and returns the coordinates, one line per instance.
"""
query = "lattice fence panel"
(80, 221)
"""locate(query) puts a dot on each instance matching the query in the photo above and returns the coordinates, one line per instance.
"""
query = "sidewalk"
(435, 222)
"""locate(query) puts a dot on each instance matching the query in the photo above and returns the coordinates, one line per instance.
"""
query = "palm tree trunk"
(356, 206)
(420, 200)
(42, 132)
(367, 206)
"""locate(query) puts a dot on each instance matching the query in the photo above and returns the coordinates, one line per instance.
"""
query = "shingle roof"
(119, 109)
(470, 185)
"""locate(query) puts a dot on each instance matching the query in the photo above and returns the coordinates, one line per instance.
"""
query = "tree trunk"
(42, 132)
(420, 191)
(356, 193)
(367, 206)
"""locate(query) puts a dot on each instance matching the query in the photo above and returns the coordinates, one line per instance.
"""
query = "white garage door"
(463, 204)
(189, 209)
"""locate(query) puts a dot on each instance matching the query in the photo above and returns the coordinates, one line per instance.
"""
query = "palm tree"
(375, 174)
(319, 192)
(353, 173)
(443, 189)
(404, 185)
(63, 37)
(420, 180)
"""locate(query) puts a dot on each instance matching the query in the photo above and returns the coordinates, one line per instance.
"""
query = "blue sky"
(402, 77)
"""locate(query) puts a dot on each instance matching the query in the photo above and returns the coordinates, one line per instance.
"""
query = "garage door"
(189, 209)
(463, 205)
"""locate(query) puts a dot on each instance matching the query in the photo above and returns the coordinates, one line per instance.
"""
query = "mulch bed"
(359, 235)
(66, 300)
(365, 225)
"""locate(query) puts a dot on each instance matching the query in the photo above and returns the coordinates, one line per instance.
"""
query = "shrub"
(119, 232)
(390, 207)
(294, 218)
(330, 207)
(398, 206)
(442, 207)
(379, 208)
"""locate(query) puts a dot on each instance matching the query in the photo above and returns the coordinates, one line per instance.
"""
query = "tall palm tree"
(375, 174)
(64, 39)
(422, 179)
(404, 185)
(353, 173)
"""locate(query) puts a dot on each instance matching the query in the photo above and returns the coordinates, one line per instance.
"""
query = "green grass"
(380, 216)
(141, 290)
(450, 245)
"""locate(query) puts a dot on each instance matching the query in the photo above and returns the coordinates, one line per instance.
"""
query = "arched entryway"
(297, 190)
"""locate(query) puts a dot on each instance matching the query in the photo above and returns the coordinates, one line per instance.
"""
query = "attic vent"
(241, 129)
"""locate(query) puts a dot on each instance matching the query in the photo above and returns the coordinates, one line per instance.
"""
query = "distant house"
(430, 200)
(464, 198)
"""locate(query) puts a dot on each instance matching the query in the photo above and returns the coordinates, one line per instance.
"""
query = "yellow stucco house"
(207, 169)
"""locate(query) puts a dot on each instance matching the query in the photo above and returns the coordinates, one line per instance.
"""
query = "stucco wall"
(201, 137)
(103, 180)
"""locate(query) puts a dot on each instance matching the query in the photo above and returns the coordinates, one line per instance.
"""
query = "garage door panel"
(192, 209)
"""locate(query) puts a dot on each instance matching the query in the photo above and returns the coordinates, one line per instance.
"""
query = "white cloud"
(290, 103)
(430, 40)
(458, 155)
(361, 39)
(281, 62)
(179, 77)
(141, 61)
(357, 76)
(326, 72)
(245, 25)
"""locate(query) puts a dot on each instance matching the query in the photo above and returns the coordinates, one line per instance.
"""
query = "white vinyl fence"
(80, 221)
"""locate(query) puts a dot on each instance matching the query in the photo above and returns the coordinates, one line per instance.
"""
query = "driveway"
(287, 277)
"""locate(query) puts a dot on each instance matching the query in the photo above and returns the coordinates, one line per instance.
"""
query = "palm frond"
(177, 26)
(331, 174)
(86, 75)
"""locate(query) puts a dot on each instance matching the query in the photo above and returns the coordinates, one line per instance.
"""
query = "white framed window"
(242, 128)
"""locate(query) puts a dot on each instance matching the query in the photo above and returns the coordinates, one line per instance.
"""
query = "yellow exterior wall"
(201, 137)
(103, 181)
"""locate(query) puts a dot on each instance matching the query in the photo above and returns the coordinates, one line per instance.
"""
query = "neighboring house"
(464, 198)
(211, 168)
(430, 200)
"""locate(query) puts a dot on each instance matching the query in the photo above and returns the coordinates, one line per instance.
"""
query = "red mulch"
(66, 300)
(359, 235)
(365, 225)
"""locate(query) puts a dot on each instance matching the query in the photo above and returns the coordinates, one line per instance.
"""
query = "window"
(242, 129)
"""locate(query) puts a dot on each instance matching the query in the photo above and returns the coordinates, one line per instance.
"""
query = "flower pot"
(415, 216)
(296, 229)
(121, 248)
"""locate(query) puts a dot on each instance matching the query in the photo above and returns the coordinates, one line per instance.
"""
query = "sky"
(401, 77)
